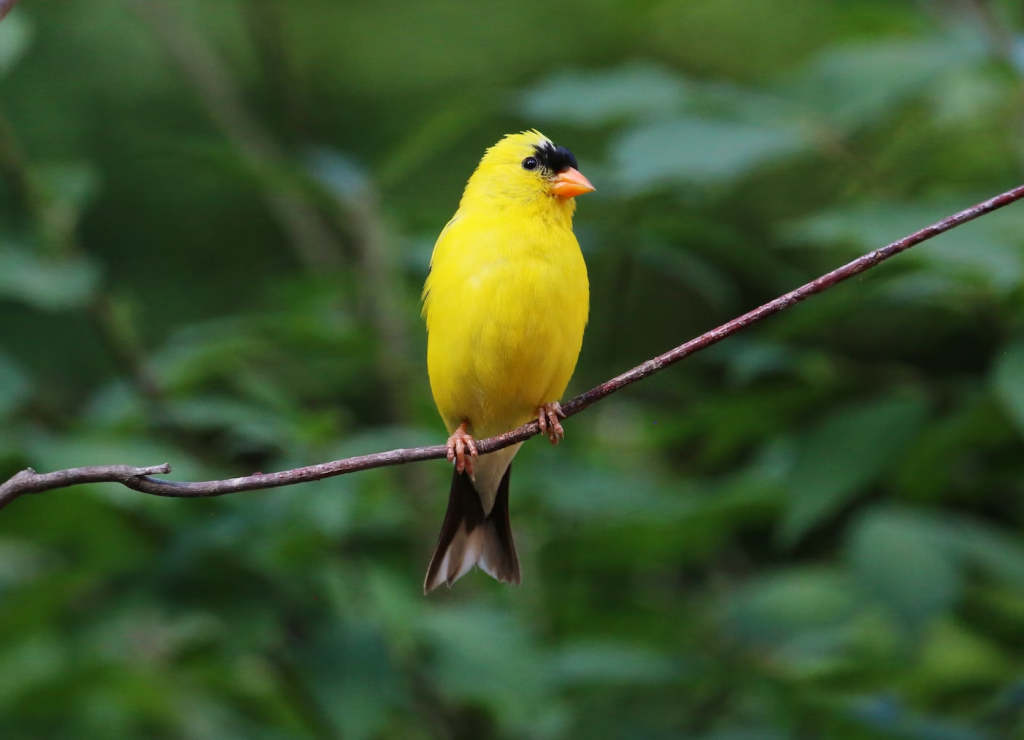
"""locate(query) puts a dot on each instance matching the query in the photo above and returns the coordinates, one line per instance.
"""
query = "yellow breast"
(506, 304)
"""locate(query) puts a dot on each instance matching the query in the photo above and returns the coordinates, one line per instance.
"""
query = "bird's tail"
(470, 537)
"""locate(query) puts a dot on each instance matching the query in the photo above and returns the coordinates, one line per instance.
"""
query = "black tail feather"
(469, 537)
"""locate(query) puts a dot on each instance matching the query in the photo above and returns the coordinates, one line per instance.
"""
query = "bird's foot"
(458, 444)
(547, 417)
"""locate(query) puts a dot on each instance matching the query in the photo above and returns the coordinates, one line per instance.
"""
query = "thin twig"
(1004, 44)
(29, 481)
(138, 479)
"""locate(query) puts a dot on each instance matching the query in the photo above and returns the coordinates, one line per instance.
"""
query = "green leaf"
(247, 423)
(967, 95)
(29, 665)
(858, 84)
(695, 150)
(14, 385)
(339, 173)
(804, 616)
(353, 676)
(887, 714)
(594, 98)
(595, 493)
(747, 360)
(692, 272)
(984, 252)
(986, 548)
(1008, 380)
(614, 664)
(955, 656)
(865, 226)
(16, 34)
(21, 562)
(484, 655)
(788, 602)
(901, 563)
(746, 734)
(843, 455)
(51, 284)
(71, 185)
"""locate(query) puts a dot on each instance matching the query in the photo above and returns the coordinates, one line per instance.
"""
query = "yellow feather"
(507, 298)
(506, 304)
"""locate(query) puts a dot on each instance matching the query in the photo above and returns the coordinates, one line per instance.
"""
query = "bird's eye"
(530, 163)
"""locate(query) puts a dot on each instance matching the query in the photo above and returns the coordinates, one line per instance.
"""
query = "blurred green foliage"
(215, 219)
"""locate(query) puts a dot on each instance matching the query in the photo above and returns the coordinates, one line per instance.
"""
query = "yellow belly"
(506, 312)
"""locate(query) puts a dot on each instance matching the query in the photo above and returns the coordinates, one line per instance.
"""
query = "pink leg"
(547, 417)
(458, 444)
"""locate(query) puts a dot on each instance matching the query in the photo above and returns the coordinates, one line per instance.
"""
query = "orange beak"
(571, 183)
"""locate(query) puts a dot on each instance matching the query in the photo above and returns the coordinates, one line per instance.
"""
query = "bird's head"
(527, 168)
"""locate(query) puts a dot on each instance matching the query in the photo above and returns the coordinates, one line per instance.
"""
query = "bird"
(506, 303)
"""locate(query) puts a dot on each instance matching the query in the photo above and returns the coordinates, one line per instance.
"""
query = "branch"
(29, 481)
(139, 479)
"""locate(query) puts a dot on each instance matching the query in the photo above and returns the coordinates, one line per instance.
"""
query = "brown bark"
(140, 479)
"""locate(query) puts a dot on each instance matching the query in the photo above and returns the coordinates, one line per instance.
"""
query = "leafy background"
(215, 218)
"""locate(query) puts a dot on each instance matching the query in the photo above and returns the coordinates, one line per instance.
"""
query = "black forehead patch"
(555, 158)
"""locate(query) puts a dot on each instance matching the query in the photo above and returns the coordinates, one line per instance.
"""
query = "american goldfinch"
(505, 303)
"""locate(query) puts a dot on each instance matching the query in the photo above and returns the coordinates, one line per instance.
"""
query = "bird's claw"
(548, 418)
(458, 444)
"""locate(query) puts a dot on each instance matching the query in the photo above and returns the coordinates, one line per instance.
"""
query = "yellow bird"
(505, 303)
